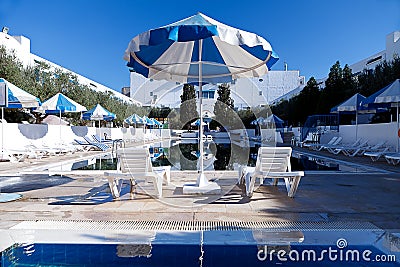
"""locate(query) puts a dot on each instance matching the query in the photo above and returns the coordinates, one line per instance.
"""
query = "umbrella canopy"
(134, 119)
(148, 121)
(175, 52)
(156, 122)
(273, 119)
(390, 94)
(60, 103)
(98, 113)
(350, 105)
(259, 120)
(16, 97)
(385, 96)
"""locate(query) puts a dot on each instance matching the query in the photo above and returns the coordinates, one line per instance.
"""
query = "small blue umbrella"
(134, 119)
(274, 120)
(351, 105)
(148, 121)
(259, 120)
(60, 103)
(156, 122)
(389, 96)
(98, 113)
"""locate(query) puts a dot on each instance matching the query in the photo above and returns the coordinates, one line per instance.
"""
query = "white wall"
(374, 133)
(17, 136)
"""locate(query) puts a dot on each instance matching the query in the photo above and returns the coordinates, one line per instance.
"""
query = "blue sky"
(89, 37)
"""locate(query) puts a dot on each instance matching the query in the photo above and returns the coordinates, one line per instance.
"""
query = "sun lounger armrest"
(284, 174)
(164, 171)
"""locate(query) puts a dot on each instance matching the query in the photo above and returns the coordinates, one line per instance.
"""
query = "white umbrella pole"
(397, 115)
(60, 125)
(356, 124)
(201, 180)
(2, 130)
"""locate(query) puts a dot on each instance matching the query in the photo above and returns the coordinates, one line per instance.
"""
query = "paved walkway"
(364, 197)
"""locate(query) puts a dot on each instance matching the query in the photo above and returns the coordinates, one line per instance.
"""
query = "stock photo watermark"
(338, 253)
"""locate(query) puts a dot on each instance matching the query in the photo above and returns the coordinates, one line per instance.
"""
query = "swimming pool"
(281, 244)
(182, 156)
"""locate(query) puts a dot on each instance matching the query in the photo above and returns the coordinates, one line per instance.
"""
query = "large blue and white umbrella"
(16, 97)
(176, 52)
(98, 113)
(199, 50)
(13, 97)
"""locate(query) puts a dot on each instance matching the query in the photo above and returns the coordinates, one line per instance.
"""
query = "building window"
(373, 60)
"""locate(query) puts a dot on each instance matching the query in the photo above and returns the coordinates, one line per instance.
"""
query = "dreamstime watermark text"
(339, 253)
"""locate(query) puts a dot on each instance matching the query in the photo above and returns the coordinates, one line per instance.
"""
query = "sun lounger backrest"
(134, 160)
(332, 140)
(274, 159)
(337, 141)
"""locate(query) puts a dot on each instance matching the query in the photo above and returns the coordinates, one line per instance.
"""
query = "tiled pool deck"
(365, 197)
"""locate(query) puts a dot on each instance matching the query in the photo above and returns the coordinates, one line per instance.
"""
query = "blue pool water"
(180, 255)
(220, 157)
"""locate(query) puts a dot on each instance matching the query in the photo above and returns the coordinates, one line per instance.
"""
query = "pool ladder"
(117, 143)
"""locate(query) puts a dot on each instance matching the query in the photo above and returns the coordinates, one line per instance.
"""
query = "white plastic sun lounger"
(318, 147)
(272, 162)
(135, 164)
(15, 155)
(335, 144)
(352, 150)
(393, 158)
(375, 156)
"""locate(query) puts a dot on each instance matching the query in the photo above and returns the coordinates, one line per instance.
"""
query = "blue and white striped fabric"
(389, 94)
(18, 98)
(350, 105)
(98, 113)
(59, 103)
(174, 52)
(148, 121)
(156, 122)
(383, 98)
(259, 120)
(134, 119)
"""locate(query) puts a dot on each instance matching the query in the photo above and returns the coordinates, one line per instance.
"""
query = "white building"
(21, 46)
(392, 49)
(246, 92)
